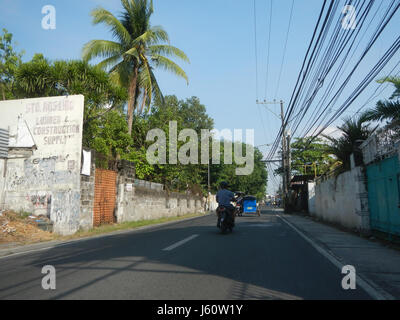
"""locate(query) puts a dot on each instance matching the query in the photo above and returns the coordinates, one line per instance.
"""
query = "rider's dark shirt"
(224, 197)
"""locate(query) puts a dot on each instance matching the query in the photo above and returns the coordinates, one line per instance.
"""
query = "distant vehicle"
(250, 204)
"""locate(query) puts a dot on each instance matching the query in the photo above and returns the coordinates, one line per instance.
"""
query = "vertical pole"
(289, 160)
(284, 175)
(209, 186)
(315, 169)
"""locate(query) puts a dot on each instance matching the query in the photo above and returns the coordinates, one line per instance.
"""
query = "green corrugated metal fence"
(384, 195)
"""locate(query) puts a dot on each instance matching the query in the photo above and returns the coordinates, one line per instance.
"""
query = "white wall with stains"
(44, 161)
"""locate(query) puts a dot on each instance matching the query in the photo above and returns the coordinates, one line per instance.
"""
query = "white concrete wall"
(146, 204)
(343, 200)
(44, 178)
(2, 181)
(311, 197)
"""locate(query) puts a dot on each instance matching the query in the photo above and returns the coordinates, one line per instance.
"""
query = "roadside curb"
(374, 290)
(41, 246)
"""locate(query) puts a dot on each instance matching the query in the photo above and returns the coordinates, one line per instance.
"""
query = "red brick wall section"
(105, 194)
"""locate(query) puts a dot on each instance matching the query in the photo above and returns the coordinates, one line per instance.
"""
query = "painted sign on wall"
(44, 162)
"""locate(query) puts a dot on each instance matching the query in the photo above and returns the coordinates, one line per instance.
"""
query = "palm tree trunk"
(144, 100)
(132, 99)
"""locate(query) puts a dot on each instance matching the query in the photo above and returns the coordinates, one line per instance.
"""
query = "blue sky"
(218, 37)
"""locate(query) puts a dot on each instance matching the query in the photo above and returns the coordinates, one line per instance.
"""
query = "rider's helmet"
(223, 185)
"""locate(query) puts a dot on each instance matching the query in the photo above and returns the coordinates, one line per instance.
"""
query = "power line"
(284, 49)
(255, 45)
(276, 143)
(373, 73)
(313, 73)
(268, 49)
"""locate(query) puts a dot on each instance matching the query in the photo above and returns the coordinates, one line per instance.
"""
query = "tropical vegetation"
(138, 49)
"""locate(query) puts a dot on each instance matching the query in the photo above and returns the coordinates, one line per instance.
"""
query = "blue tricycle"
(250, 205)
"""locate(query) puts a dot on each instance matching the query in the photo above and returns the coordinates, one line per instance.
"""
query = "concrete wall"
(44, 160)
(2, 181)
(343, 200)
(87, 196)
(145, 204)
(136, 203)
(311, 197)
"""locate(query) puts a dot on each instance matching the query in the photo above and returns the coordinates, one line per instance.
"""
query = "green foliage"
(9, 62)
(111, 137)
(104, 126)
(354, 132)
(308, 154)
(254, 184)
(388, 110)
(189, 114)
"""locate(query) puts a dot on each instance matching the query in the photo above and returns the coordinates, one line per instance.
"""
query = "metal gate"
(384, 195)
(105, 194)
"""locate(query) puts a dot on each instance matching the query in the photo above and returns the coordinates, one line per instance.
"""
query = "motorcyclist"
(224, 198)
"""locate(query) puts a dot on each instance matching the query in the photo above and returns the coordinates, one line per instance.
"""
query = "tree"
(308, 152)
(102, 127)
(9, 62)
(387, 109)
(254, 184)
(354, 132)
(138, 49)
(189, 114)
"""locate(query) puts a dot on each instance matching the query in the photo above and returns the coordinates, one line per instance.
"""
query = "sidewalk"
(375, 263)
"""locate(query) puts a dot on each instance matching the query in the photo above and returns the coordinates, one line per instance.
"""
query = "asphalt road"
(264, 258)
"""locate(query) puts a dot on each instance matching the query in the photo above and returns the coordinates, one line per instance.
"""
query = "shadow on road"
(262, 259)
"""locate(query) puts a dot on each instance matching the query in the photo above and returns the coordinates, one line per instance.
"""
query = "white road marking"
(149, 227)
(179, 243)
(371, 288)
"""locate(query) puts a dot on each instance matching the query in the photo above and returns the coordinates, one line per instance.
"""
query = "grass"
(108, 228)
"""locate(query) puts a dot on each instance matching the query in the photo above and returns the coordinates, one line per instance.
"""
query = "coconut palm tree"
(139, 49)
(388, 109)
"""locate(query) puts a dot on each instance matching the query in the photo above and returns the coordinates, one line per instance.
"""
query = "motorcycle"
(238, 210)
(238, 203)
(225, 219)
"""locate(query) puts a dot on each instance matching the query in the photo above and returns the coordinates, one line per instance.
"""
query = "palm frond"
(396, 82)
(101, 15)
(133, 52)
(152, 36)
(384, 110)
(169, 65)
(111, 61)
(163, 49)
(100, 48)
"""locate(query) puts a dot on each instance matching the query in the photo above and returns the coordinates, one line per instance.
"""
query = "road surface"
(264, 258)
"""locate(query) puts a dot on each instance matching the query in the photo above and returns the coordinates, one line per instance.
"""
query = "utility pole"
(285, 148)
(209, 186)
(289, 160)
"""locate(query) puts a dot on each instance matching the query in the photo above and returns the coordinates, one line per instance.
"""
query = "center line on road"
(175, 245)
